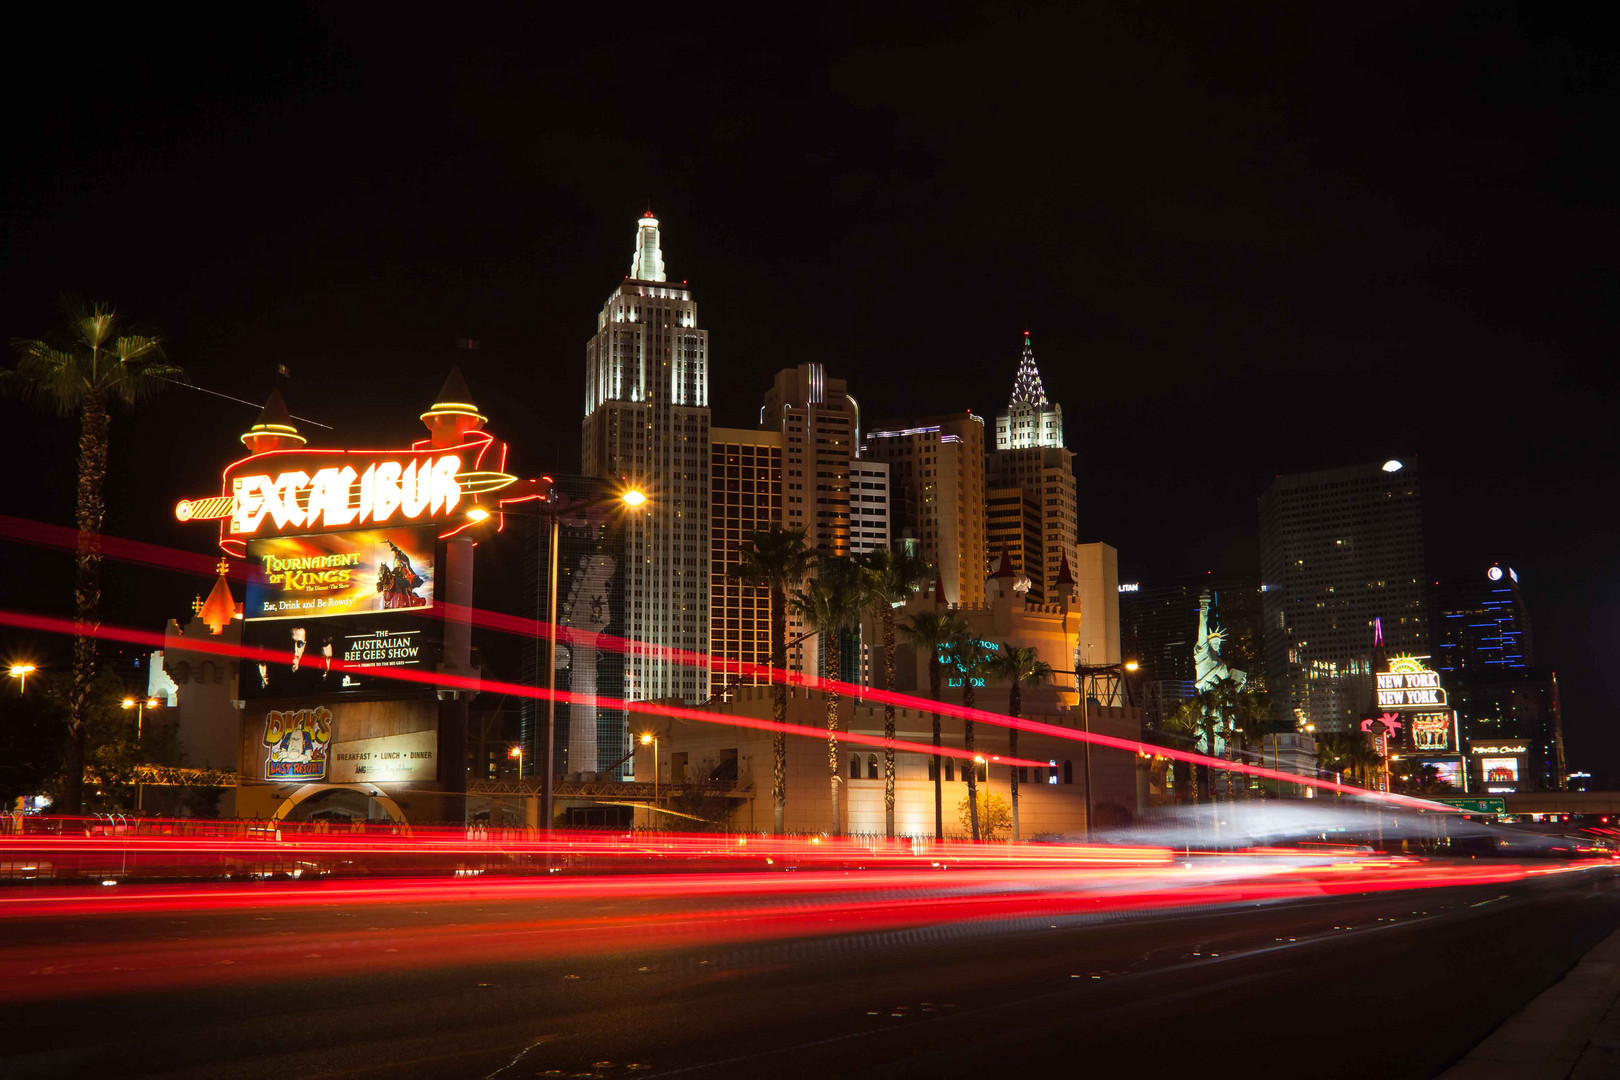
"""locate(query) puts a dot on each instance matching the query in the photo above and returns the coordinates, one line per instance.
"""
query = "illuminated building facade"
(745, 498)
(819, 425)
(1030, 455)
(1480, 623)
(1339, 549)
(1486, 654)
(1518, 706)
(647, 421)
(937, 493)
(868, 505)
(1029, 420)
(1012, 527)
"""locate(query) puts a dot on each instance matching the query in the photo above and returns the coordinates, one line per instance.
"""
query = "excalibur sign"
(283, 485)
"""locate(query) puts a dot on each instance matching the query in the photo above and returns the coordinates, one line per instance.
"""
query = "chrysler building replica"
(647, 421)
(1031, 474)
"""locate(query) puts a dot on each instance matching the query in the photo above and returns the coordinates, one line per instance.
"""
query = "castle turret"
(274, 429)
(453, 414)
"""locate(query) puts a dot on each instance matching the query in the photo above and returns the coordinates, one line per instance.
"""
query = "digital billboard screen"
(366, 571)
(1447, 770)
(1500, 770)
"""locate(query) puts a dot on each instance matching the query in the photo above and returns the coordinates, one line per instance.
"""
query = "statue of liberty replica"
(1212, 671)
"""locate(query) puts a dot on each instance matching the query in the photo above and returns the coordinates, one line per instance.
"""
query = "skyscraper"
(1480, 622)
(936, 495)
(1029, 420)
(1030, 456)
(647, 421)
(1339, 548)
(1485, 654)
(1012, 527)
(841, 503)
(746, 498)
(817, 421)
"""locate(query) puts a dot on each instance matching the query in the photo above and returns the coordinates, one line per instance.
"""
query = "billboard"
(364, 571)
(294, 743)
(341, 742)
(1447, 770)
(1432, 731)
(368, 643)
(1499, 770)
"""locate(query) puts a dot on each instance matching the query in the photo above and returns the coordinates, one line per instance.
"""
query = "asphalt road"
(504, 986)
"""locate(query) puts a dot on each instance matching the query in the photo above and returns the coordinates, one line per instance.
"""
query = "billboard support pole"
(548, 758)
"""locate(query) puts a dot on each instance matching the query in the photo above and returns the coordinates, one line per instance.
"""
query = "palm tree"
(1180, 729)
(774, 559)
(831, 604)
(891, 577)
(930, 630)
(85, 371)
(1348, 753)
(1018, 666)
(1200, 718)
(971, 658)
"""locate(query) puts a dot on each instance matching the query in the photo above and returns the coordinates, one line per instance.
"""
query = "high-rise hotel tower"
(647, 421)
(1031, 469)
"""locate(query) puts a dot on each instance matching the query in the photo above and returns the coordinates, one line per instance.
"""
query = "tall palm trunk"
(888, 723)
(939, 762)
(1015, 705)
(86, 589)
(834, 648)
(972, 766)
(779, 709)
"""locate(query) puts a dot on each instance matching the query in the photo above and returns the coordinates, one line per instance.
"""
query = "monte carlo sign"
(1409, 685)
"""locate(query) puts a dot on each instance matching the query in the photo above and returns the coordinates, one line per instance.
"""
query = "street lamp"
(650, 738)
(20, 672)
(631, 498)
(516, 753)
(140, 705)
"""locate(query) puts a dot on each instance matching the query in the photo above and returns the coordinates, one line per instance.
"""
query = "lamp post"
(646, 738)
(20, 672)
(140, 705)
(979, 760)
(630, 498)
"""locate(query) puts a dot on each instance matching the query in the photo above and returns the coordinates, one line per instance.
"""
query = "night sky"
(1245, 242)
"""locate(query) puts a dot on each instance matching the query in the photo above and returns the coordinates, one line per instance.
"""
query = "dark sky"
(1247, 241)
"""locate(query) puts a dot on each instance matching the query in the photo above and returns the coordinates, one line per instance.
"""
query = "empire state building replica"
(647, 421)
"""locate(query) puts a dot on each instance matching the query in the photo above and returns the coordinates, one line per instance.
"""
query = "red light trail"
(586, 917)
(55, 536)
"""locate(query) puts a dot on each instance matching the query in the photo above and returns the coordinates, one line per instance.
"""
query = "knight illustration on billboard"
(398, 583)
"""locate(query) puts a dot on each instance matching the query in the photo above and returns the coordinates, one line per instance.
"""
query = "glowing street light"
(20, 672)
(1131, 665)
(649, 739)
(140, 705)
(632, 498)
